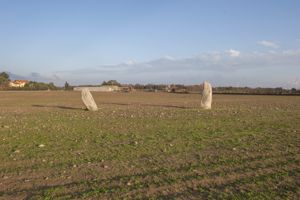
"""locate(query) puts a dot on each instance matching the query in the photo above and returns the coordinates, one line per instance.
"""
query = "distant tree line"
(179, 88)
(31, 85)
(258, 91)
(173, 88)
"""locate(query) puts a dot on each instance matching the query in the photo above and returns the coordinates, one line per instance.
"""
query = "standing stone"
(206, 96)
(88, 100)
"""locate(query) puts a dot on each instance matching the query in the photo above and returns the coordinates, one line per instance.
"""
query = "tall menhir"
(206, 96)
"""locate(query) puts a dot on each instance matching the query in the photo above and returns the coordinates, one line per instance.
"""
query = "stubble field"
(148, 146)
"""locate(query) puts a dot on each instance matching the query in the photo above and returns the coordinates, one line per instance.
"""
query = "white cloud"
(130, 62)
(269, 44)
(234, 53)
(169, 57)
(268, 68)
(295, 83)
(217, 61)
(34, 76)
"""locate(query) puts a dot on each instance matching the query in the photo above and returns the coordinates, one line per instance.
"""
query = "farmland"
(148, 146)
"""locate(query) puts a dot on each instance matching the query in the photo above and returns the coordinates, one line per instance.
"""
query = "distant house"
(18, 83)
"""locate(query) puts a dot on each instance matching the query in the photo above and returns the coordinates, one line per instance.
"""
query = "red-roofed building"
(18, 83)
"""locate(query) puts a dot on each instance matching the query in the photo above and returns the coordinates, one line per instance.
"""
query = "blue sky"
(227, 42)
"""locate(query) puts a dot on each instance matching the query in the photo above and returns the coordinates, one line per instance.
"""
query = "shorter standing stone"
(206, 96)
(88, 100)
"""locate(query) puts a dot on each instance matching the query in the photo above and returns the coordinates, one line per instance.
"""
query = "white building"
(104, 88)
(18, 83)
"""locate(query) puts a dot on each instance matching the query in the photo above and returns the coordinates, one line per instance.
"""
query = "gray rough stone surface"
(206, 96)
(88, 100)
